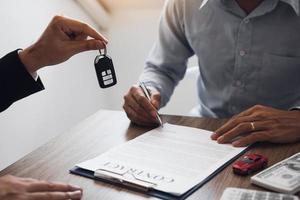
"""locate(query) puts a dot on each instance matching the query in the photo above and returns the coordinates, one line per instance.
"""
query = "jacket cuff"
(16, 81)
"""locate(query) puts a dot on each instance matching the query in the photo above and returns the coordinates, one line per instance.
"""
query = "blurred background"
(72, 92)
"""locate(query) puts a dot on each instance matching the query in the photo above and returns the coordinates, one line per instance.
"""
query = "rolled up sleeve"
(167, 61)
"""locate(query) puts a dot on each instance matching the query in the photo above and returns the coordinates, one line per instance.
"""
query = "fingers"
(250, 139)
(246, 112)
(155, 99)
(81, 37)
(139, 109)
(62, 39)
(232, 123)
(136, 108)
(136, 118)
(143, 102)
(249, 115)
(53, 195)
(241, 129)
(78, 27)
(31, 189)
(29, 180)
(85, 45)
(257, 122)
(42, 186)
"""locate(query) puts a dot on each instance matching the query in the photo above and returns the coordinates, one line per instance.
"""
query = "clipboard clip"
(118, 177)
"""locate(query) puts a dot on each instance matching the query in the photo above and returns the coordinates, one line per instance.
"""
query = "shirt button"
(246, 21)
(234, 109)
(242, 53)
(238, 83)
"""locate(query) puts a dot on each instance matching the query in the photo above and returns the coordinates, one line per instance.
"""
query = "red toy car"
(250, 163)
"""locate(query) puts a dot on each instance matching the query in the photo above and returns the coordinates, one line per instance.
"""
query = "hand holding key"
(63, 38)
(147, 93)
(139, 109)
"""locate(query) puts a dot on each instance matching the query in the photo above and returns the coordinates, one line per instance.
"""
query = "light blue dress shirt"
(243, 59)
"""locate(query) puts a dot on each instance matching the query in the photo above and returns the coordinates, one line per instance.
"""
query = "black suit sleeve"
(15, 81)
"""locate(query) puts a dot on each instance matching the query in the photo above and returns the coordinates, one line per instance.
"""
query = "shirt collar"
(203, 3)
(293, 3)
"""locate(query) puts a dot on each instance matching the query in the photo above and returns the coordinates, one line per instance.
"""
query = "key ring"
(104, 52)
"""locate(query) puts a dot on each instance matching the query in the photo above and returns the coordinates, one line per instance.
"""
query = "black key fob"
(105, 70)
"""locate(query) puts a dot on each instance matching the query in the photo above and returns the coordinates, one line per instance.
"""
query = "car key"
(105, 70)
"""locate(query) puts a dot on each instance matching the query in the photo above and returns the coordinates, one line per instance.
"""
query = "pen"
(147, 94)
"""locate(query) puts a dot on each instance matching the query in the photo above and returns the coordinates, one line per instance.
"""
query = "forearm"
(167, 61)
(159, 79)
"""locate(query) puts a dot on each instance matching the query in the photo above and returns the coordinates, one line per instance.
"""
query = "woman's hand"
(15, 188)
(62, 39)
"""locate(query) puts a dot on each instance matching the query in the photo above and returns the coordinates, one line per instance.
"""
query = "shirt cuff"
(35, 76)
(295, 108)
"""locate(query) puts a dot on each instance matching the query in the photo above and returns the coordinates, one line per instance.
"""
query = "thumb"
(85, 45)
(155, 99)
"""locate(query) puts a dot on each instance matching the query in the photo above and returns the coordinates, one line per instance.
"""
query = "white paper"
(173, 159)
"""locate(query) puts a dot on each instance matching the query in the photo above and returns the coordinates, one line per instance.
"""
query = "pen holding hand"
(147, 93)
(139, 109)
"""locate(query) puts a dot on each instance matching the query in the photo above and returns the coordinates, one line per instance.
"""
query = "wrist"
(30, 59)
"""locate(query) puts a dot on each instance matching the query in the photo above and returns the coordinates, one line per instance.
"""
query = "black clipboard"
(153, 192)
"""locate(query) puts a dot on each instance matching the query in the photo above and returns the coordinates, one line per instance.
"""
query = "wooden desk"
(106, 129)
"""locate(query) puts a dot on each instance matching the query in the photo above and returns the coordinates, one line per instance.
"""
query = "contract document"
(172, 159)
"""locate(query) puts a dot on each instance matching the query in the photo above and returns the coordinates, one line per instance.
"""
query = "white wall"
(132, 34)
(72, 92)
(132, 4)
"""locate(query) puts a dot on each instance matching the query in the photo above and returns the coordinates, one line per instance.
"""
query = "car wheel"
(250, 171)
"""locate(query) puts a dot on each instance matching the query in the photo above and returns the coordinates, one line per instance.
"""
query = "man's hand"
(14, 188)
(138, 109)
(62, 39)
(260, 123)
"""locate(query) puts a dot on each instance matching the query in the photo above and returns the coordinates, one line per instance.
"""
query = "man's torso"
(244, 59)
